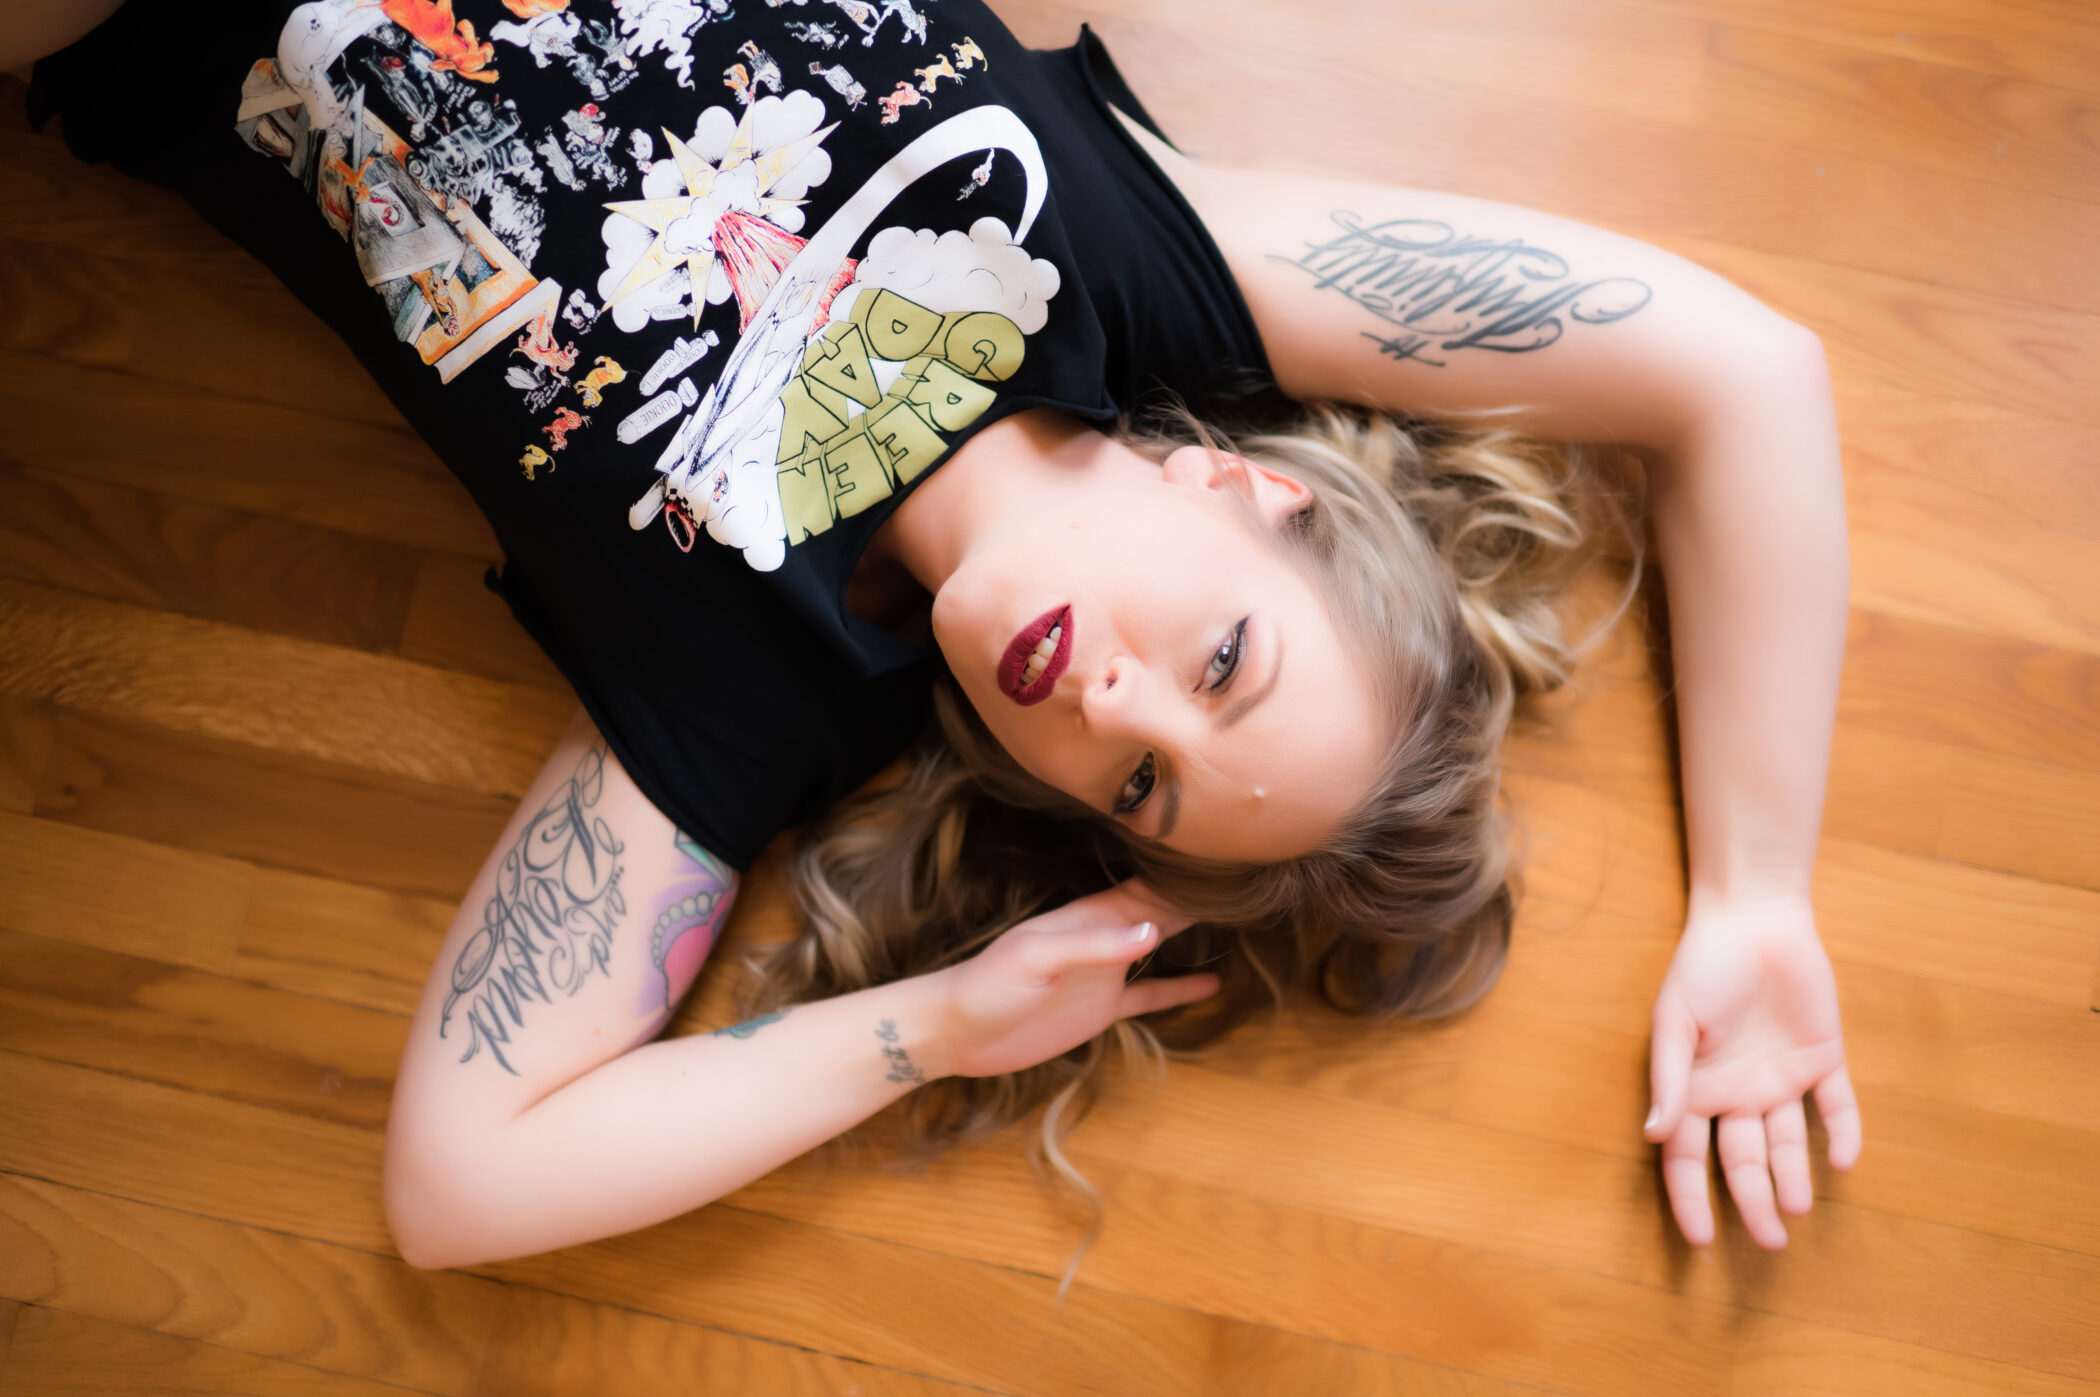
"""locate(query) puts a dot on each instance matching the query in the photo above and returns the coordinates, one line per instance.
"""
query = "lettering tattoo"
(749, 1026)
(689, 917)
(549, 923)
(1444, 291)
(902, 1068)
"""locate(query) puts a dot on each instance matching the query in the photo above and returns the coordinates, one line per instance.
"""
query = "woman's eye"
(1136, 789)
(1225, 660)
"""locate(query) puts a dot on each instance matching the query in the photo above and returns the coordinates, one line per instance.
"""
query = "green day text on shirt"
(847, 375)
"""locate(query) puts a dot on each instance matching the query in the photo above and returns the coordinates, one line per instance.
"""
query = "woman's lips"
(1013, 665)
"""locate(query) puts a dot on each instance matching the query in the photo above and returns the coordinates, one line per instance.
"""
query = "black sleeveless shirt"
(688, 294)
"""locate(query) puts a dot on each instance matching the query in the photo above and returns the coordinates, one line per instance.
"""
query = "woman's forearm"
(1750, 524)
(662, 1129)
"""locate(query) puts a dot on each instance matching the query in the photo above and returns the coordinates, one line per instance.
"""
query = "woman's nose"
(1112, 703)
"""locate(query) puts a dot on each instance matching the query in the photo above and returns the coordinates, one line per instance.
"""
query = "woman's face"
(1186, 677)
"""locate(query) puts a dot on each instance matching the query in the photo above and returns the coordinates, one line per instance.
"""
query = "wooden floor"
(259, 723)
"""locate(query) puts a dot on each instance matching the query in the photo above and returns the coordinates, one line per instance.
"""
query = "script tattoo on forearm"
(902, 1068)
(1443, 291)
(550, 921)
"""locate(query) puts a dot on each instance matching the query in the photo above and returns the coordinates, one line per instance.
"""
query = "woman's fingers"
(1747, 1165)
(1165, 992)
(1676, 1036)
(1053, 953)
(1840, 1112)
(1684, 1177)
(1786, 1133)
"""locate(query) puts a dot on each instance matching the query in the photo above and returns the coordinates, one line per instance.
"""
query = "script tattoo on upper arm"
(549, 923)
(1442, 290)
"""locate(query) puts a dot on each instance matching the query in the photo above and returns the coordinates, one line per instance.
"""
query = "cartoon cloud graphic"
(719, 464)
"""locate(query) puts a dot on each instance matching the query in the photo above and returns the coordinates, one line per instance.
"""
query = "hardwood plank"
(319, 1180)
(1609, 728)
(292, 696)
(1779, 1355)
(1933, 1160)
(166, 554)
(25, 745)
(2054, 43)
(455, 622)
(1933, 1038)
(1247, 1359)
(2003, 130)
(85, 886)
(1943, 801)
(1980, 691)
(245, 1288)
(889, 1305)
(1887, 790)
(207, 1033)
(1892, 333)
(230, 799)
(77, 307)
(200, 1154)
(1939, 553)
(2002, 465)
(553, 1346)
(2034, 817)
(1970, 926)
(1458, 75)
(1987, 1297)
(53, 198)
(56, 1352)
(1451, 1305)
(10, 1311)
(336, 940)
(341, 941)
(371, 477)
(1589, 854)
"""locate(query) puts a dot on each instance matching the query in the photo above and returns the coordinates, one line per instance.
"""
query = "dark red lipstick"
(1013, 665)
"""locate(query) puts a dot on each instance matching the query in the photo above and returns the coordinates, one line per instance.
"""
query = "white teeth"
(1039, 658)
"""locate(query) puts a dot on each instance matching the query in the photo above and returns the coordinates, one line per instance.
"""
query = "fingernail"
(1655, 1113)
(1141, 931)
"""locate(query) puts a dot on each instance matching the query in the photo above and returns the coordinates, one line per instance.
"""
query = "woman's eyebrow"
(1240, 707)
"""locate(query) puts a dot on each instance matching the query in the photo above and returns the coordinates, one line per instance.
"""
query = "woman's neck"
(1012, 463)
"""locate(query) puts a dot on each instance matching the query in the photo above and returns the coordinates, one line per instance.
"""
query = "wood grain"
(247, 1289)
(56, 1352)
(260, 721)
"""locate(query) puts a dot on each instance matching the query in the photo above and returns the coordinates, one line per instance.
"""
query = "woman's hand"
(1746, 1022)
(1055, 981)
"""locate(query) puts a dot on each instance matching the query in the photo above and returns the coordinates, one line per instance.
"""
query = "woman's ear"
(1276, 495)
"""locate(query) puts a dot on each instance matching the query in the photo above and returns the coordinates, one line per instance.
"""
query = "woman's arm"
(33, 29)
(1440, 305)
(531, 1110)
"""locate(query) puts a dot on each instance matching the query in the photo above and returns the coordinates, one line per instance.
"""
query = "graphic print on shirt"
(847, 378)
(453, 288)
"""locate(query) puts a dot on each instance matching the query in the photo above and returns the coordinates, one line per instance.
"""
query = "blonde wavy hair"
(1440, 552)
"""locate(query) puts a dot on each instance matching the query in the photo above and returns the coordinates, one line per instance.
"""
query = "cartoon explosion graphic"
(723, 215)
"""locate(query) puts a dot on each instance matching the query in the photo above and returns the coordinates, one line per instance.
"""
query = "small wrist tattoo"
(902, 1068)
(749, 1026)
